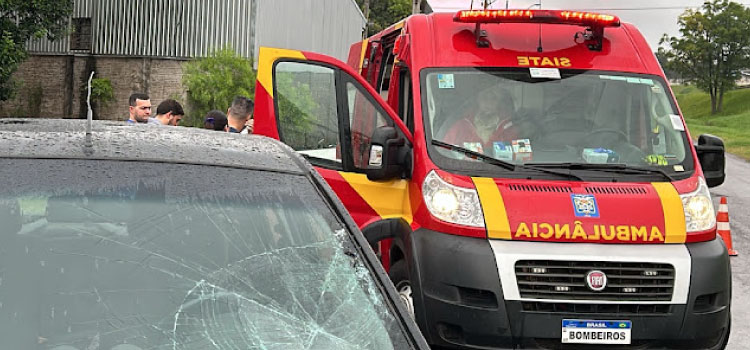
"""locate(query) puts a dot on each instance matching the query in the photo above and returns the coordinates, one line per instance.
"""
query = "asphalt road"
(737, 190)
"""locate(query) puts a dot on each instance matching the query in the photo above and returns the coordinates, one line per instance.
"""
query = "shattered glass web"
(125, 269)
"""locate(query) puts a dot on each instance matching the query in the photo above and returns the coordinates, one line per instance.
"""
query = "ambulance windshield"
(567, 117)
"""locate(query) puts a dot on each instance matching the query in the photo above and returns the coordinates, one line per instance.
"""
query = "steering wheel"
(620, 134)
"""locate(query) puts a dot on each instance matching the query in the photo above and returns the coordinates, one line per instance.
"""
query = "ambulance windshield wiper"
(468, 152)
(501, 163)
(610, 167)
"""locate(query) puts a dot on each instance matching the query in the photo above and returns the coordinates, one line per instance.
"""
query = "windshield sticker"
(647, 81)
(446, 81)
(679, 167)
(677, 122)
(656, 89)
(585, 206)
(502, 151)
(634, 80)
(545, 73)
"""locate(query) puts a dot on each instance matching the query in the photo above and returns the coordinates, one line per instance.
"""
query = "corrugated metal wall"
(172, 28)
(325, 26)
(81, 8)
(192, 28)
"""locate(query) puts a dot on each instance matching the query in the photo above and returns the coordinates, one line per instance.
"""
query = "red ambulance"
(525, 176)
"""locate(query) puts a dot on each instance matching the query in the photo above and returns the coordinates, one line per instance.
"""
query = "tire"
(400, 277)
(725, 341)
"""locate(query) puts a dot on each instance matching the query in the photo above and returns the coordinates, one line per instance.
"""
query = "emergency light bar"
(588, 19)
(593, 36)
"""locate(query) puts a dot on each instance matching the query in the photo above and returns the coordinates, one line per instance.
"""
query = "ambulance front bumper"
(467, 294)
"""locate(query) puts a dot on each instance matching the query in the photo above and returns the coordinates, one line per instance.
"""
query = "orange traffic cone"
(722, 226)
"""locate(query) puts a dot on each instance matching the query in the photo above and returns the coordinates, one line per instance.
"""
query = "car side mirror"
(710, 151)
(384, 162)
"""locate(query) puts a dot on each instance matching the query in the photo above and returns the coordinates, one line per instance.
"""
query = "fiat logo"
(596, 280)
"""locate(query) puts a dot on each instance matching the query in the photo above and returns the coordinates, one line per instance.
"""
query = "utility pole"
(367, 19)
(417, 7)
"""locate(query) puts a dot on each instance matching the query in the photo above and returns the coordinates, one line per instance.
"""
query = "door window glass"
(364, 118)
(306, 102)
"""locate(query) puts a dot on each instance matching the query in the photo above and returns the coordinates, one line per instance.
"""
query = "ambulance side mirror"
(386, 154)
(710, 151)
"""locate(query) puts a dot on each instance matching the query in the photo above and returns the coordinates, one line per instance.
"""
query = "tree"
(383, 13)
(671, 74)
(714, 46)
(212, 83)
(23, 20)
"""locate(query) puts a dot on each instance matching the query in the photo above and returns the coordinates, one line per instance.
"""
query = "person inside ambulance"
(489, 120)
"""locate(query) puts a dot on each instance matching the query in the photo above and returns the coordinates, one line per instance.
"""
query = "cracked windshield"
(129, 256)
(526, 117)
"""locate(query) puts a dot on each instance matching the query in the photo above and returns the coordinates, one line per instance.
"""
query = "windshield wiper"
(614, 167)
(501, 163)
(468, 152)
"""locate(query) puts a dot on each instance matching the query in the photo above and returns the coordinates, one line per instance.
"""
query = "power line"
(649, 8)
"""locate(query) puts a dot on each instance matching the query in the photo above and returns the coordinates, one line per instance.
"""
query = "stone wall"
(51, 86)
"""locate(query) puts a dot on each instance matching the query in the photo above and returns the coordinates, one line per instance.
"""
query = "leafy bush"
(102, 93)
(212, 83)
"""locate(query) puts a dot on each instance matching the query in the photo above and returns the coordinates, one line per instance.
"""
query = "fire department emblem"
(584, 205)
(596, 280)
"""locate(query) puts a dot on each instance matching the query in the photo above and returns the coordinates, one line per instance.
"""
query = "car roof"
(66, 139)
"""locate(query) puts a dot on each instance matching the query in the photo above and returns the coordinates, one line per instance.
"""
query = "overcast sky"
(653, 18)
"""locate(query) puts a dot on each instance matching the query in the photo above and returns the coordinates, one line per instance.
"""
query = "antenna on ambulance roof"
(539, 48)
(90, 113)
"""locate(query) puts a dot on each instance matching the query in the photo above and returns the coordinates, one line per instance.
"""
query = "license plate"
(596, 331)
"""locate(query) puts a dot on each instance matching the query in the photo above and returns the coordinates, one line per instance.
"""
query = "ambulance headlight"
(699, 210)
(451, 203)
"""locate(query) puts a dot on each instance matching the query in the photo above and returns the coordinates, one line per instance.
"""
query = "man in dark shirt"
(239, 115)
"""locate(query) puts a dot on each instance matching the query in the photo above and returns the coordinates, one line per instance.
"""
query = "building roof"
(66, 139)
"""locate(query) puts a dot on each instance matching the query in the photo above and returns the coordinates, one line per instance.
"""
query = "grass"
(732, 124)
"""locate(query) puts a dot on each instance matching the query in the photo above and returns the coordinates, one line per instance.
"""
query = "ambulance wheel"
(400, 277)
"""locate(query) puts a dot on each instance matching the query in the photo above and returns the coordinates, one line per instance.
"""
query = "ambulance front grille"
(540, 188)
(566, 280)
(596, 309)
(612, 189)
